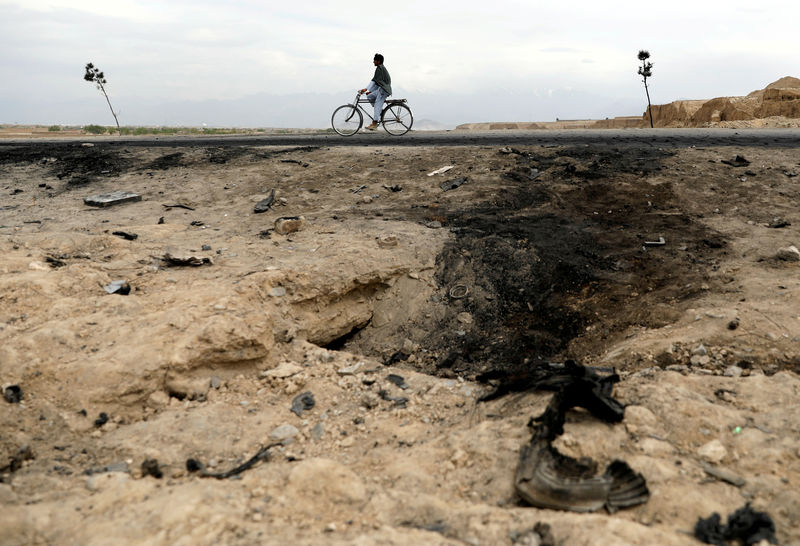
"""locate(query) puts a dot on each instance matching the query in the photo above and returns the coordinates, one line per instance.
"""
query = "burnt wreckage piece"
(548, 479)
(745, 525)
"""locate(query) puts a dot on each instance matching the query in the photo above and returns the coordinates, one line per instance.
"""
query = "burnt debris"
(13, 394)
(195, 466)
(745, 526)
(546, 478)
(302, 402)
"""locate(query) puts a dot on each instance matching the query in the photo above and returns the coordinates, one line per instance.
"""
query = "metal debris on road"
(112, 198)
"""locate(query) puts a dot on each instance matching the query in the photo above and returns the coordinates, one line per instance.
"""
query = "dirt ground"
(402, 299)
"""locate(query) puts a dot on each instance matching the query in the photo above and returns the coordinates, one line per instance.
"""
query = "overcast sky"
(285, 63)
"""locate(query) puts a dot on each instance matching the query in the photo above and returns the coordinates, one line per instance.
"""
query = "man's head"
(378, 59)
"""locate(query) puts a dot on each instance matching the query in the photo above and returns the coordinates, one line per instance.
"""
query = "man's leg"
(380, 97)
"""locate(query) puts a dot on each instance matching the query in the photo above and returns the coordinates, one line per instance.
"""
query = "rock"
(680, 368)
(387, 241)
(788, 254)
(112, 198)
(289, 224)
(700, 350)
(698, 360)
(283, 370)
(352, 370)
(120, 287)
(318, 431)
(733, 371)
(464, 318)
(724, 474)
(277, 292)
(283, 433)
(215, 382)
(712, 452)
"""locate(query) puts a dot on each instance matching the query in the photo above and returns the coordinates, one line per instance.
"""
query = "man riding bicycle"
(378, 89)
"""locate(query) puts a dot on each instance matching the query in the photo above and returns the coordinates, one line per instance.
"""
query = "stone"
(318, 431)
(283, 370)
(464, 318)
(283, 433)
(733, 371)
(112, 198)
(712, 452)
(788, 254)
(387, 241)
(700, 360)
(352, 370)
(278, 292)
(289, 224)
(120, 287)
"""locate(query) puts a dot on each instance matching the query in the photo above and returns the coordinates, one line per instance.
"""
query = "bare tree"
(94, 75)
(645, 71)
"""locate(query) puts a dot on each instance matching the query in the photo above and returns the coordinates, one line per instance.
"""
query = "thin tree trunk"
(649, 108)
(119, 131)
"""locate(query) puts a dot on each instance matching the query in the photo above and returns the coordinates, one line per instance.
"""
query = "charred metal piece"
(302, 402)
(265, 204)
(548, 479)
(12, 394)
(194, 465)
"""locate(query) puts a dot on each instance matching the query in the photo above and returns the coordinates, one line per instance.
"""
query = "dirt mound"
(780, 99)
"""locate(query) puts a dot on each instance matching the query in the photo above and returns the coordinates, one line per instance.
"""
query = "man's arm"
(370, 88)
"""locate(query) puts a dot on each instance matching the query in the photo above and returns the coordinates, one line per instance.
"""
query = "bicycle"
(396, 117)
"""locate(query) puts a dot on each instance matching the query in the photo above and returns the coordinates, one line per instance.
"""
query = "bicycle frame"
(359, 101)
(395, 117)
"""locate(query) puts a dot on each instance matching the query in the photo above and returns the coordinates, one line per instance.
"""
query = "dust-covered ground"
(401, 300)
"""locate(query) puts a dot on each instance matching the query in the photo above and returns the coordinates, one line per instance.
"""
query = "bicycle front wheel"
(397, 119)
(346, 120)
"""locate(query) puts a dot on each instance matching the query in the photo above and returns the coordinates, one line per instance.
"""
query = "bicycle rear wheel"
(346, 120)
(397, 119)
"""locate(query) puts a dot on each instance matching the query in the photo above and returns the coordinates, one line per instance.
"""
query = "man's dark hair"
(378, 57)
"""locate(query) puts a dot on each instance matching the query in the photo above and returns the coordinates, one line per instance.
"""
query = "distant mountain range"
(313, 110)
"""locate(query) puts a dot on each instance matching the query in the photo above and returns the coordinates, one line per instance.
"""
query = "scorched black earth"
(558, 259)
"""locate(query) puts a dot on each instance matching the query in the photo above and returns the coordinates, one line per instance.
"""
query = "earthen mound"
(777, 104)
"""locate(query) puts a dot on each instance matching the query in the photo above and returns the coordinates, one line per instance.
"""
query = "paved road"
(783, 138)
